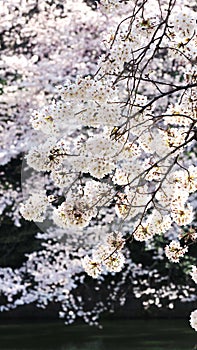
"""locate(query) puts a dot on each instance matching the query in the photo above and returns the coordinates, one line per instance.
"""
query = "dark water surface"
(115, 335)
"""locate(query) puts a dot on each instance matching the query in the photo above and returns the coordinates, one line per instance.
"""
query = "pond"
(115, 335)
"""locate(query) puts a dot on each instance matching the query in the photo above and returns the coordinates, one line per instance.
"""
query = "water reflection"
(115, 335)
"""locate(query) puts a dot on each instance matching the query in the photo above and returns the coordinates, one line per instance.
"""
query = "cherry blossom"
(112, 146)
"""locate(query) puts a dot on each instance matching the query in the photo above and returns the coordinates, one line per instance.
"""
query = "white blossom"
(34, 208)
(194, 273)
(115, 262)
(193, 319)
(143, 232)
(92, 267)
(174, 251)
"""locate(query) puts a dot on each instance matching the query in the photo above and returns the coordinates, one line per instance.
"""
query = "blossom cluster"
(123, 137)
(107, 255)
(193, 316)
(39, 41)
(174, 251)
(35, 207)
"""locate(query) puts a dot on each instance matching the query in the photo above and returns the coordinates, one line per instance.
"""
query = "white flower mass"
(115, 145)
